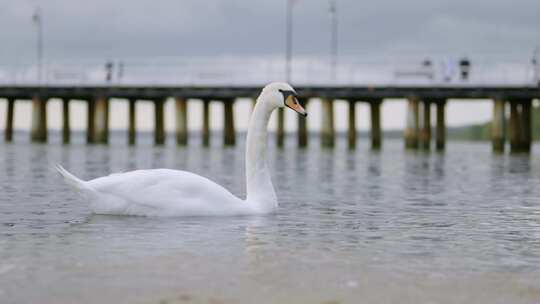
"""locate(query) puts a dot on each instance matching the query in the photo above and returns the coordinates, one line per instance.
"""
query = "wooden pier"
(417, 134)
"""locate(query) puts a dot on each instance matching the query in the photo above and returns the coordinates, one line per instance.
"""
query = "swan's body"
(159, 192)
(164, 192)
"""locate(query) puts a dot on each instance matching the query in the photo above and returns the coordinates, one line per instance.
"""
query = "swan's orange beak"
(292, 102)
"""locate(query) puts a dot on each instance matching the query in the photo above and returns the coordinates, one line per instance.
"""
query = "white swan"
(164, 192)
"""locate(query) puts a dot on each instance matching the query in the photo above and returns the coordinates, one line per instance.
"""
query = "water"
(388, 227)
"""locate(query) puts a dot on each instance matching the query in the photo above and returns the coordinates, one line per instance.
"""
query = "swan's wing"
(162, 191)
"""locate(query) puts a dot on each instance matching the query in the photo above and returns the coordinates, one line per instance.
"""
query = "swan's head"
(280, 95)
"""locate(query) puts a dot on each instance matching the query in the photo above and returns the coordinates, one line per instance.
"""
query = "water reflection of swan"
(164, 192)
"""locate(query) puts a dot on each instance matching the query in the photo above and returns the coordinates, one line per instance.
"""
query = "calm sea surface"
(352, 227)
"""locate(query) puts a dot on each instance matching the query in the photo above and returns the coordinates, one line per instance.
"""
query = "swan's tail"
(71, 179)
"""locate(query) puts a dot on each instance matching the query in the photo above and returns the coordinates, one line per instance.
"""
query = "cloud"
(101, 29)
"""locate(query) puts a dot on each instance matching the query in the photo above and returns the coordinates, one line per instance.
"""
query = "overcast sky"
(139, 28)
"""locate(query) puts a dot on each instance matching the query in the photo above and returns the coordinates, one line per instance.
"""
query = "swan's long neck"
(260, 190)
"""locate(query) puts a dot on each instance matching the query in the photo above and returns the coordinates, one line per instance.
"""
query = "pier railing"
(228, 71)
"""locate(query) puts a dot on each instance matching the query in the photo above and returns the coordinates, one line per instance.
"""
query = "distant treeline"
(483, 131)
(472, 132)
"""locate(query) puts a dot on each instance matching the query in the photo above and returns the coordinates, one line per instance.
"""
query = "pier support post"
(520, 126)
(515, 127)
(302, 126)
(39, 120)
(181, 121)
(280, 132)
(159, 120)
(206, 123)
(132, 133)
(327, 128)
(229, 138)
(90, 121)
(253, 103)
(66, 130)
(498, 128)
(411, 129)
(526, 120)
(101, 120)
(376, 134)
(8, 135)
(425, 134)
(351, 132)
(441, 126)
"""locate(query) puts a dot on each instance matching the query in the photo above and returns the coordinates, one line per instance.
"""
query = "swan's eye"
(287, 93)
